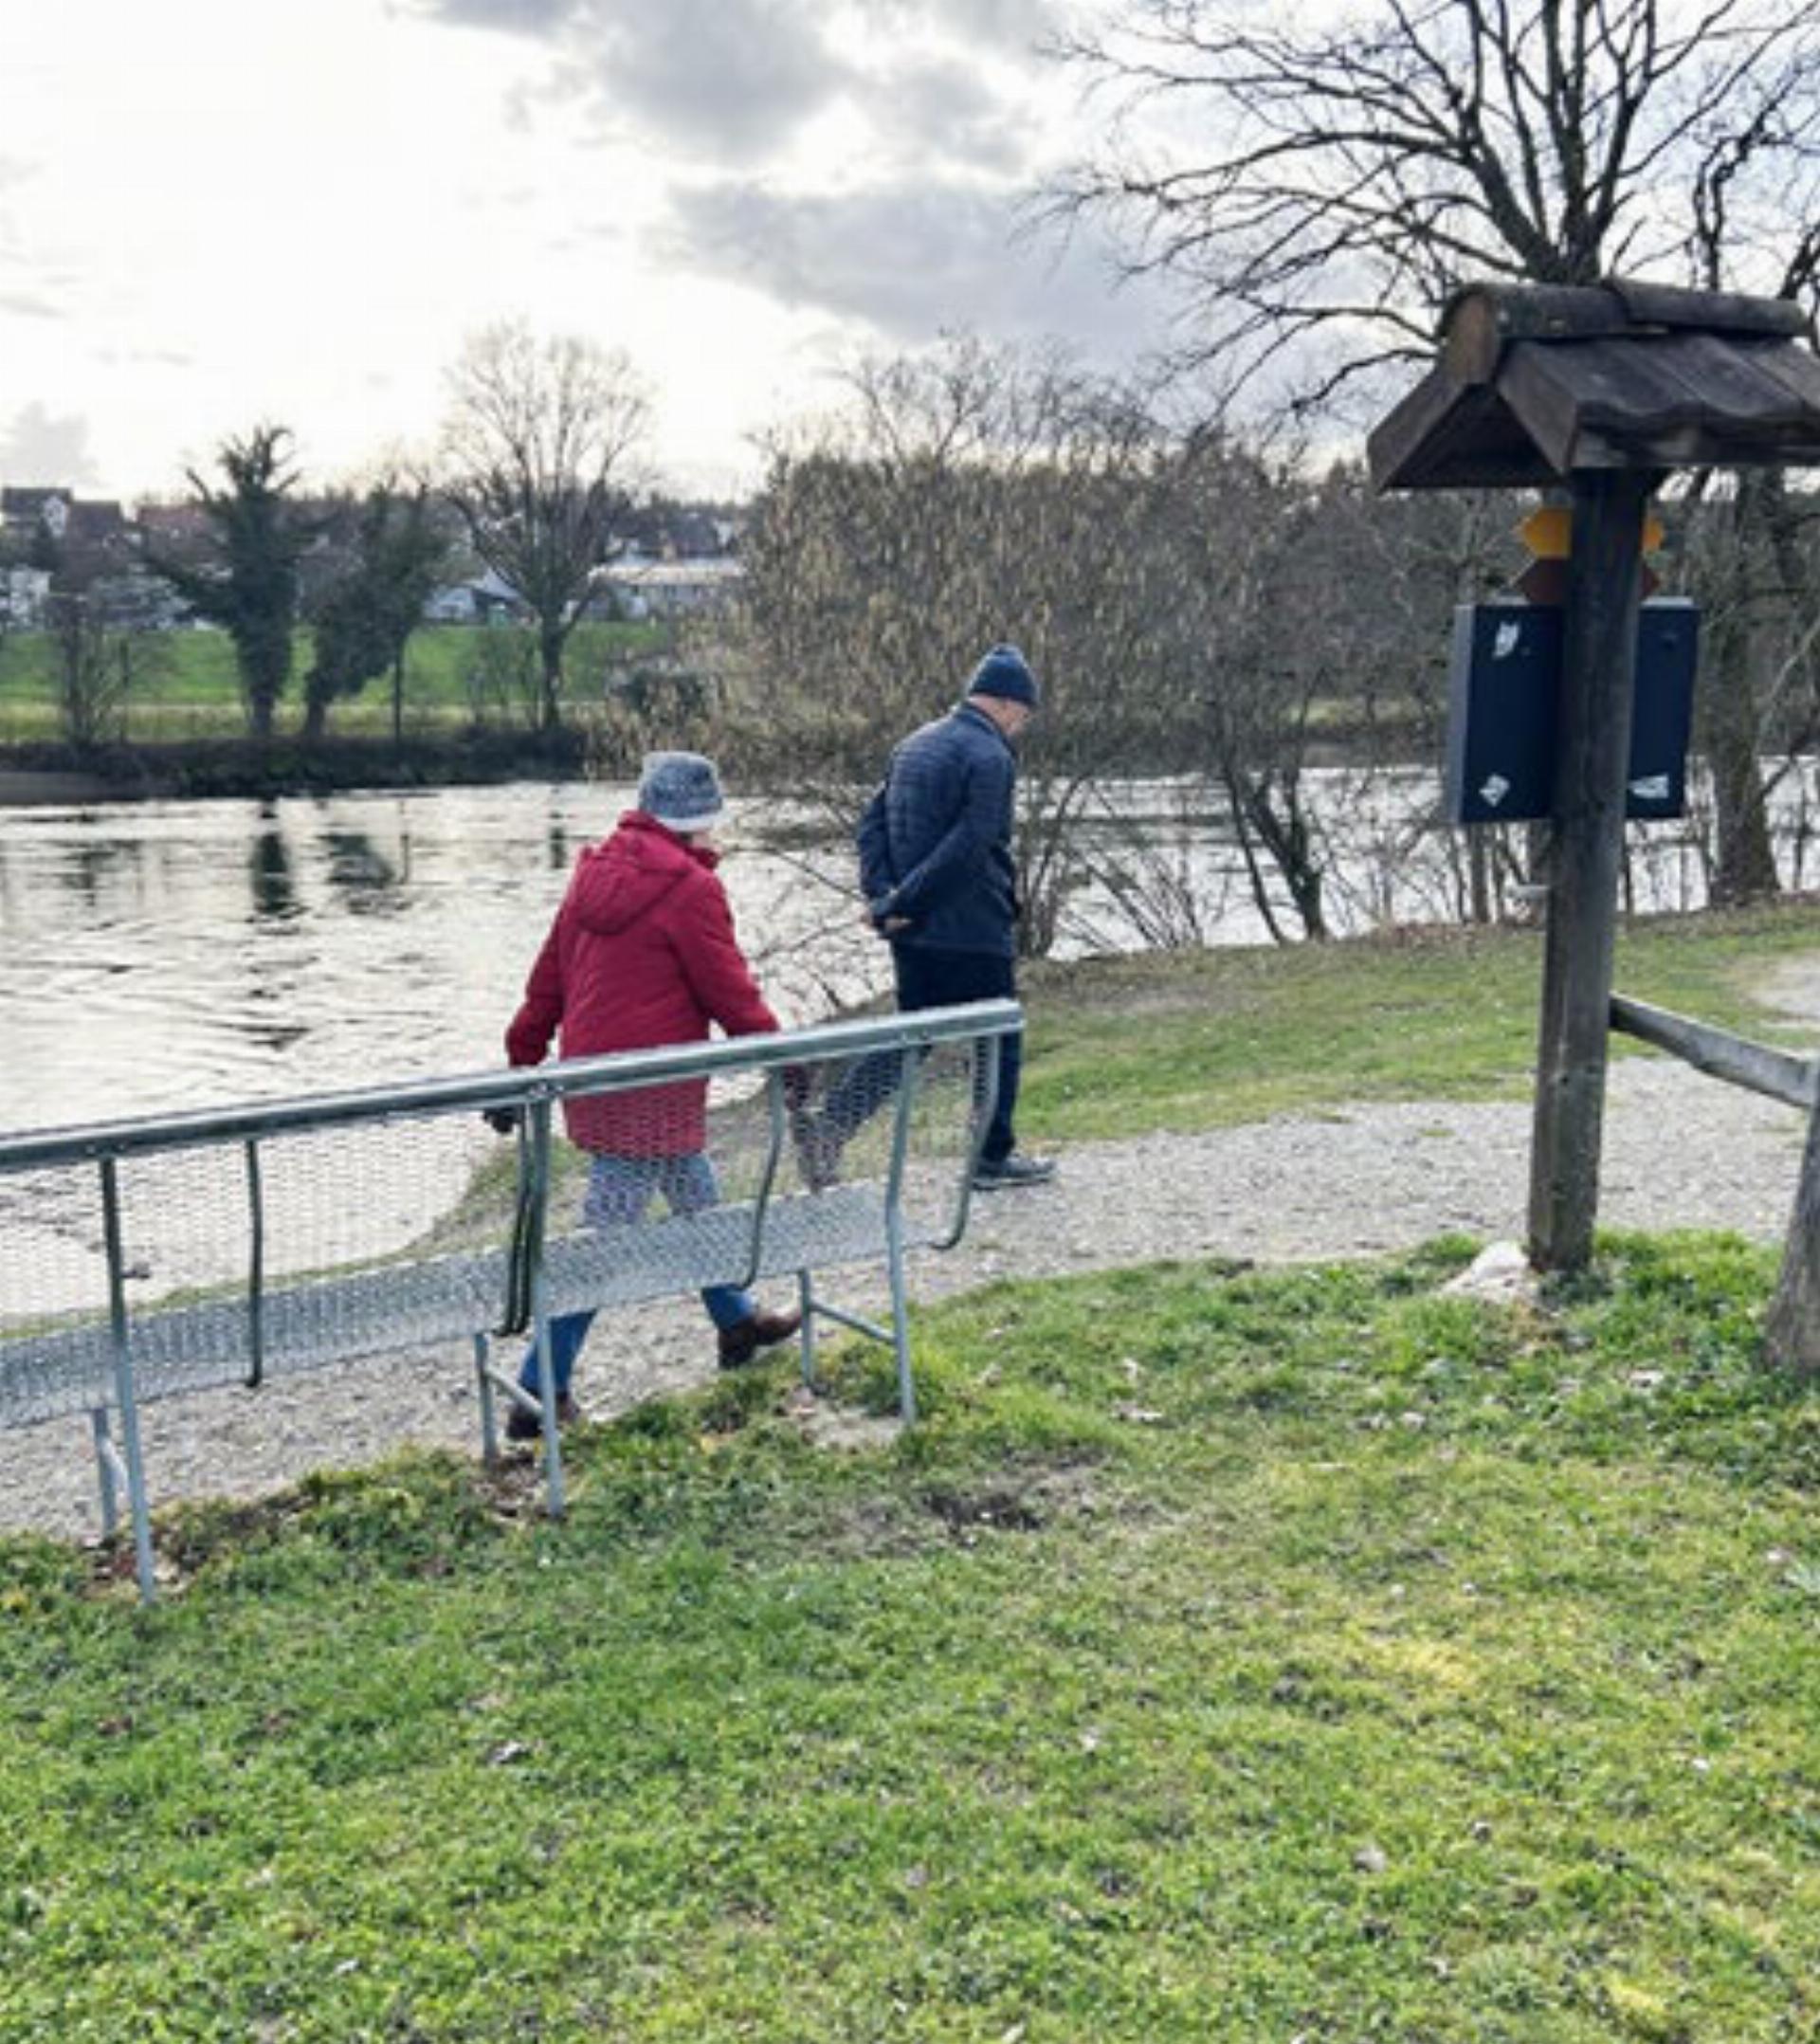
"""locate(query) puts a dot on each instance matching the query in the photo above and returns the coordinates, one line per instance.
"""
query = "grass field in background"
(1225, 1658)
(193, 691)
(1201, 1039)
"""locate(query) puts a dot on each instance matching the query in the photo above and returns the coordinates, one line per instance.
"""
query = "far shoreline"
(48, 775)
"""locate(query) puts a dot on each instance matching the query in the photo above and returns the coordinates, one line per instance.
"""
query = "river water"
(164, 956)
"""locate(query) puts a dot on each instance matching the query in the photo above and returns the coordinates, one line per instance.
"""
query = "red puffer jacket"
(642, 953)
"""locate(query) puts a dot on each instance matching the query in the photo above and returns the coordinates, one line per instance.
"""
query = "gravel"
(1681, 1151)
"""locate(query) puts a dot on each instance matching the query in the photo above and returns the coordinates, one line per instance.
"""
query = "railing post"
(540, 1111)
(256, 1270)
(490, 1416)
(123, 1392)
(907, 1077)
(105, 1462)
(988, 1050)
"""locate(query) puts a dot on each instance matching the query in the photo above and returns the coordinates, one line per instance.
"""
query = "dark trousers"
(936, 980)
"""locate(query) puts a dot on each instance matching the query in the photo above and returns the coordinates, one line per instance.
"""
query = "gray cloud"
(37, 449)
(731, 80)
(935, 109)
(732, 77)
(734, 81)
(1010, 23)
(910, 260)
(515, 17)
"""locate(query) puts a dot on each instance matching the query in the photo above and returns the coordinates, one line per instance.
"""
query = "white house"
(692, 588)
(24, 593)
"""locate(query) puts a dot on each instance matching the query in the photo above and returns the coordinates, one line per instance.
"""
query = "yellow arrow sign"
(1548, 532)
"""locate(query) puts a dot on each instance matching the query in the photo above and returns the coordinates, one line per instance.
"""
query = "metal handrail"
(619, 1071)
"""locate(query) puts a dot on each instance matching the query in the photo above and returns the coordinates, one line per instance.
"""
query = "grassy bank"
(191, 692)
(1225, 1658)
(1193, 1040)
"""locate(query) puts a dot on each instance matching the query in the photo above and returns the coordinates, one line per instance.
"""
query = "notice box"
(1502, 689)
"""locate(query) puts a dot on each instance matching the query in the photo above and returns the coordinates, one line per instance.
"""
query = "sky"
(214, 213)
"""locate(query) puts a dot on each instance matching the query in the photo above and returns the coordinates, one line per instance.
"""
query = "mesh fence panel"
(322, 1244)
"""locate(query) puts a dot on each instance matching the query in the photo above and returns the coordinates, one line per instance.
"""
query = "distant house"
(135, 598)
(33, 513)
(668, 589)
(177, 529)
(489, 599)
(24, 595)
(454, 605)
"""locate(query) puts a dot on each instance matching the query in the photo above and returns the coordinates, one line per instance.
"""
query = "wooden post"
(1794, 1330)
(1598, 662)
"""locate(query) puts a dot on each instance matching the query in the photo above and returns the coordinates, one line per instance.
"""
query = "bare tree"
(538, 456)
(1319, 184)
(1319, 189)
(1750, 553)
(962, 497)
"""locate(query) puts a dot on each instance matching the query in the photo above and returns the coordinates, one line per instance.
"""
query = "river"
(163, 955)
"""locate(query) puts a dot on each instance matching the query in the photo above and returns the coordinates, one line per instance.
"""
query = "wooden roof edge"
(1399, 447)
(1481, 320)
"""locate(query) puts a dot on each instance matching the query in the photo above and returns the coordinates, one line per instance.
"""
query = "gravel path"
(1681, 1151)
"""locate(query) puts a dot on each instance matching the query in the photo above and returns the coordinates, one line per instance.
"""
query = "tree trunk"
(550, 654)
(1732, 735)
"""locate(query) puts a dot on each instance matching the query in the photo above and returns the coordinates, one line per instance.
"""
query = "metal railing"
(284, 1235)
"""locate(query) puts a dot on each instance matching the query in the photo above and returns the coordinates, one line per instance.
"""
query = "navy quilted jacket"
(936, 840)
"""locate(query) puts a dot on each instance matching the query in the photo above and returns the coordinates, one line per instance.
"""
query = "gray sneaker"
(1016, 1169)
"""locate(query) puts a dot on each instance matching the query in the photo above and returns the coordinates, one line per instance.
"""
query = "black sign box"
(1502, 685)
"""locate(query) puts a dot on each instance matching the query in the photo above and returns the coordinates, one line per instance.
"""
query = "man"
(643, 952)
(940, 886)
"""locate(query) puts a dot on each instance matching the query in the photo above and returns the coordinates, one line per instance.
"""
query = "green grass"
(1225, 1658)
(1194, 1040)
(194, 690)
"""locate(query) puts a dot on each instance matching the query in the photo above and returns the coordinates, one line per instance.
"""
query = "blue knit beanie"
(1005, 672)
(681, 791)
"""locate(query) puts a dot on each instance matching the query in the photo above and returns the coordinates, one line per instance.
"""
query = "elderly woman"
(643, 952)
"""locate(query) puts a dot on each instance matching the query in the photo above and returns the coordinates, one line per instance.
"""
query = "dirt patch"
(839, 1427)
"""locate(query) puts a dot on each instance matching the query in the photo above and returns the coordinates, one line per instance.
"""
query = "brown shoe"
(740, 1343)
(523, 1426)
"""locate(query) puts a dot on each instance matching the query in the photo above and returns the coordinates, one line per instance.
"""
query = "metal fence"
(150, 1258)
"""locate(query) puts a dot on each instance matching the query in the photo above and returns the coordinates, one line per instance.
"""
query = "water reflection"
(270, 872)
(361, 873)
(99, 862)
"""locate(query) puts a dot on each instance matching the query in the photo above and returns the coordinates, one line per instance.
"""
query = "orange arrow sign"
(1548, 532)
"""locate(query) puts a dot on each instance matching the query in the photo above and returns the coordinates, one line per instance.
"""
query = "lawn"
(1203, 1039)
(192, 690)
(1227, 1657)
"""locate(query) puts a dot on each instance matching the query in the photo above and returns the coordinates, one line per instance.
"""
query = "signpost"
(1601, 390)
(1592, 730)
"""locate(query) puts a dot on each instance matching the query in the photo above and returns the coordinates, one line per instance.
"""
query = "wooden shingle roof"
(1536, 383)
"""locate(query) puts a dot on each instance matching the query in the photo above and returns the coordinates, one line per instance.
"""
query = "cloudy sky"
(214, 212)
